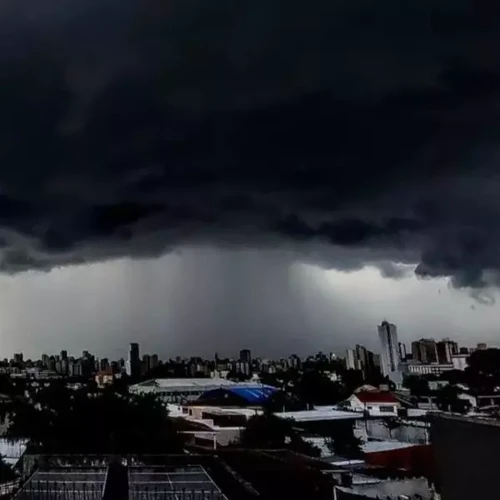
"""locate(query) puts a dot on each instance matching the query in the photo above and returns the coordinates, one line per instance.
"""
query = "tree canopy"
(448, 400)
(310, 387)
(270, 432)
(61, 420)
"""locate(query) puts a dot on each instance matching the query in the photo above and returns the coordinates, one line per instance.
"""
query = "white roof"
(247, 412)
(185, 382)
(319, 414)
(181, 384)
(375, 446)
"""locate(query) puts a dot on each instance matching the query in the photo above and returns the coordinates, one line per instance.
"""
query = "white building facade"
(375, 404)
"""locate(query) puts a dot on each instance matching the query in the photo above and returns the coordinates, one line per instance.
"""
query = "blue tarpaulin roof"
(255, 394)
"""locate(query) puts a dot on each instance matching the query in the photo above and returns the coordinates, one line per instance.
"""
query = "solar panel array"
(145, 482)
(77, 483)
(172, 483)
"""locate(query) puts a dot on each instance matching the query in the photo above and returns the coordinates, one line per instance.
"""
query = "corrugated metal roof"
(377, 446)
(319, 414)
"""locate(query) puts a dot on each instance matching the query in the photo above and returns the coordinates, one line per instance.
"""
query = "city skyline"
(350, 354)
(109, 305)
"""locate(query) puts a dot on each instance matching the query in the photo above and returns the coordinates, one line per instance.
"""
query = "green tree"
(418, 386)
(342, 441)
(448, 400)
(316, 388)
(66, 421)
(483, 370)
(270, 432)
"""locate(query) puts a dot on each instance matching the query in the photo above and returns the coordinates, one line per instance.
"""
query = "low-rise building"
(389, 489)
(413, 368)
(459, 361)
(319, 415)
(374, 403)
(240, 395)
(177, 390)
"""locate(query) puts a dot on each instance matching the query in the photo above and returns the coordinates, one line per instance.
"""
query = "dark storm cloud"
(132, 128)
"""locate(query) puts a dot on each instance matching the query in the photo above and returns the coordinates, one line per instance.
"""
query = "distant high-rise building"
(18, 358)
(425, 351)
(446, 348)
(52, 364)
(133, 361)
(75, 369)
(389, 355)
(294, 361)
(146, 363)
(402, 351)
(45, 360)
(464, 350)
(154, 361)
(481, 346)
(246, 356)
(64, 354)
(350, 359)
(361, 356)
(103, 364)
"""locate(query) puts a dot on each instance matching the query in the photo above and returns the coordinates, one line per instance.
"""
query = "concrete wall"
(416, 488)
(375, 429)
(466, 457)
(394, 489)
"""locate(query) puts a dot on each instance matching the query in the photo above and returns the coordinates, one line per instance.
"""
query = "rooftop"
(378, 446)
(247, 412)
(404, 488)
(376, 397)
(186, 382)
(157, 482)
(145, 478)
(254, 393)
(319, 414)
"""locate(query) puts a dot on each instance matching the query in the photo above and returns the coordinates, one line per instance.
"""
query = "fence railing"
(48, 490)
(168, 494)
(8, 489)
(66, 491)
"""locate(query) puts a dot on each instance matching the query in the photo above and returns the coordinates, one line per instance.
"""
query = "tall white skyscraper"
(389, 355)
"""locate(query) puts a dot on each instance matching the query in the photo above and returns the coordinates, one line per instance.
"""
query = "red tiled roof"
(376, 397)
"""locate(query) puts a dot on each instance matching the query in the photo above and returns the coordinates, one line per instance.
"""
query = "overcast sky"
(203, 175)
(197, 302)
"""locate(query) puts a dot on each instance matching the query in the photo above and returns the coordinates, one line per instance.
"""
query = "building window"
(386, 409)
(369, 407)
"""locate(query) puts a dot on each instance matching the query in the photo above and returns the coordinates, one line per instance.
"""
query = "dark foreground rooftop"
(151, 478)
